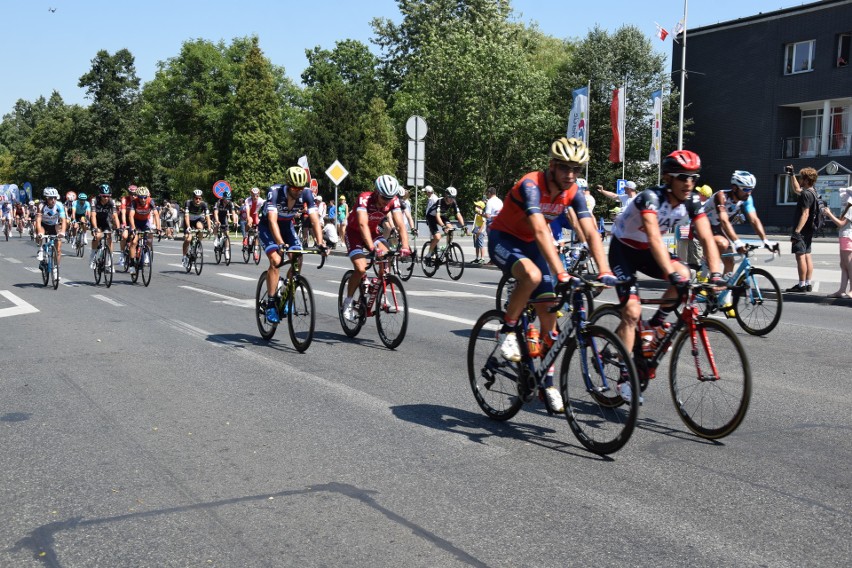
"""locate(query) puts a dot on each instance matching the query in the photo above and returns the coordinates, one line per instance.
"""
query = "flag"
(616, 117)
(678, 28)
(303, 162)
(656, 127)
(661, 32)
(578, 120)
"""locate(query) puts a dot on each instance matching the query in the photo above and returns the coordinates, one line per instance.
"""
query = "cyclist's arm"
(207, 218)
(544, 240)
(724, 220)
(399, 221)
(316, 224)
(364, 227)
(272, 217)
(704, 232)
(157, 219)
(655, 242)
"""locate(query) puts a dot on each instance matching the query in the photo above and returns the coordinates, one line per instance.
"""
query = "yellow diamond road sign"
(336, 172)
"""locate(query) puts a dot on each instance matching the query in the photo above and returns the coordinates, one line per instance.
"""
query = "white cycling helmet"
(402, 191)
(50, 192)
(743, 179)
(197, 193)
(387, 186)
(451, 191)
(255, 191)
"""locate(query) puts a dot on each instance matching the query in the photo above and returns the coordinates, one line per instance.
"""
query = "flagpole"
(660, 148)
(624, 131)
(588, 127)
(682, 79)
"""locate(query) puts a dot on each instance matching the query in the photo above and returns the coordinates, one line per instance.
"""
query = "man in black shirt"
(803, 226)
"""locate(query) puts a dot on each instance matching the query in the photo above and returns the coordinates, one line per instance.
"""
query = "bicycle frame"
(384, 269)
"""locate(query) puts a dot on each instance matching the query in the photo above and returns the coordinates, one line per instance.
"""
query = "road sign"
(620, 186)
(336, 172)
(416, 129)
(314, 185)
(220, 188)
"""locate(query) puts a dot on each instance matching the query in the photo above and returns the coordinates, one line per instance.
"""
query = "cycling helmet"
(50, 192)
(452, 192)
(143, 192)
(226, 195)
(569, 150)
(104, 189)
(704, 190)
(582, 183)
(197, 193)
(296, 176)
(681, 162)
(255, 191)
(31, 203)
(131, 189)
(402, 191)
(83, 197)
(743, 179)
(70, 196)
(387, 186)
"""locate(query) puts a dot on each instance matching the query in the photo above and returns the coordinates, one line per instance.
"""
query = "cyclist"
(285, 204)
(637, 244)
(70, 197)
(196, 216)
(407, 219)
(363, 232)
(253, 206)
(104, 221)
(224, 214)
(5, 212)
(437, 215)
(520, 243)
(51, 220)
(80, 212)
(20, 216)
(142, 212)
(123, 215)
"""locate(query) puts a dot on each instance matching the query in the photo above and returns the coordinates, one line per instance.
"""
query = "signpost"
(220, 188)
(336, 173)
(416, 129)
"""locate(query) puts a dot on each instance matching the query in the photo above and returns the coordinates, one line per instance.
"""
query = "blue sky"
(45, 51)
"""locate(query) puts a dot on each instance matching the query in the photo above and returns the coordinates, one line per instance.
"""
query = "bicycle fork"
(699, 333)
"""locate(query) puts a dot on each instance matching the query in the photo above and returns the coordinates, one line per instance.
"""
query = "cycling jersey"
(732, 206)
(278, 199)
(5, 210)
(196, 211)
(142, 209)
(104, 213)
(629, 227)
(369, 203)
(50, 216)
(225, 207)
(81, 207)
(443, 207)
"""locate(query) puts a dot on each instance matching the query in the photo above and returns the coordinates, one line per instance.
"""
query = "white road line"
(70, 284)
(446, 294)
(411, 310)
(225, 299)
(108, 300)
(237, 276)
(178, 265)
(32, 269)
(21, 307)
(12, 260)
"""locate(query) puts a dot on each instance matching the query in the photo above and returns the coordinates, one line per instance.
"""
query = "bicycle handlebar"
(286, 252)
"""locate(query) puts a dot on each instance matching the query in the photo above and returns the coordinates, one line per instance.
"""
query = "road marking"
(32, 269)
(178, 265)
(107, 300)
(411, 310)
(21, 307)
(237, 276)
(70, 284)
(12, 260)
(228, 300)
(446, 294)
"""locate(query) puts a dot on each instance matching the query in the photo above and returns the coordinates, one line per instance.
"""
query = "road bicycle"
(402, 266)
(195, 253)
(450, 255)
(293, 299)
(380, 296)
(19, 224)
(593, 362)
(7, 228)
(103, 260)
(77, 239)
(31, 229)
(49, 266)
(222, 245)
(144, 259)
(709, 371)
(251, 246)
(755, 294)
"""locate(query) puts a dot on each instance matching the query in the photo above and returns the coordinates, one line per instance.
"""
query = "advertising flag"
(616, 116)
(656, 127)
(578, 120)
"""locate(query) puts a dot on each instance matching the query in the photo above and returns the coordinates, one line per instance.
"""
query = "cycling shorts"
(505, 250)
(626, 261)
(432, 222)
(288, 233)
(361, 249)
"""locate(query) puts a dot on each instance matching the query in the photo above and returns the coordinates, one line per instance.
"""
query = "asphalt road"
(152, 427)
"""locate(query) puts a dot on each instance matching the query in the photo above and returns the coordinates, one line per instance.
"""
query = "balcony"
(811, 146)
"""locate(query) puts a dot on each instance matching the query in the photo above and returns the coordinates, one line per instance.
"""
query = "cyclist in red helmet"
(637, 244)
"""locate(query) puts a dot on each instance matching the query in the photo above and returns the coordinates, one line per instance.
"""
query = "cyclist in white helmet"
(438, 213)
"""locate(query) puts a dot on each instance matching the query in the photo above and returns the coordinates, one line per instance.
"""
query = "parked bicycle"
(593, 362)
(380, 296)
(709, 371)
(195, 253)
(251, 246)
(449, 254)
(293, 300)
(103, 261)
(50, 265)
(222, 245)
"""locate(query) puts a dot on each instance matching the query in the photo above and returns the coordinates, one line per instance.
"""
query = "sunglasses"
(687, 177)
(567, 168)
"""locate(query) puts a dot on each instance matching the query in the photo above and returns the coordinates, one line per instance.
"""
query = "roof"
(783, 13)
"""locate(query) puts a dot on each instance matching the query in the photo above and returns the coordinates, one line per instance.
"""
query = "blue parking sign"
(619, 186)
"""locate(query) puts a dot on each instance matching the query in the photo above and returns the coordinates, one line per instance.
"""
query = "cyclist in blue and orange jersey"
(80, 212)
(196, 216)
(637, 243)
(104, 220)
(51, 219)
(285, 204)
(143, 216)
(364, 232)
(520, 242)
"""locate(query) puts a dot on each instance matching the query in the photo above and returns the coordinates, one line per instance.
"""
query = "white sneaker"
(132, 270)
(184, 261)
(554, 400)
(509, 348)
(349, 314)
(624, 391)
(40, 255)
(85, 239)
(121, 260)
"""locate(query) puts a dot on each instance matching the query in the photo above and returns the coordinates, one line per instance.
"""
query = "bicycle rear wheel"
(428, 263)
(758, 305)
(300, 314)
(261, 301)
(593, 364)
(392, 312)
(711, 389)
(351, 328)
(494, 380)
(504, 291)
(107, 268)
(199, 258)
(227, 250)
(455, 261)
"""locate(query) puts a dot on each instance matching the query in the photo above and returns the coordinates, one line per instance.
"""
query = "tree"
(379, 146)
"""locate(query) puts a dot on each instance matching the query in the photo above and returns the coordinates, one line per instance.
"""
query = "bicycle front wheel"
(351, 328)
(392, 312)
(199, 258)
(428, 263)
(107, 268)
(710, 389)
(227, 250)
(504, 291)
(595, 361)
(405, 265)
(300, 314)
(247, 248)
(146, 266)
(494, 380)
(455, 261)
(45, 270)
(256, 251)
(261, 302)
(54, 268)
(99, 266)
(217, 253)
(758, 305)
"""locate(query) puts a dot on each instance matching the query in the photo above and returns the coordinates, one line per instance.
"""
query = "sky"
(46, 50)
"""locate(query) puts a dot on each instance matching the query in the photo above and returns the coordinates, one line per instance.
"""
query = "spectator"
(622, 198)
(844, 223)
(803, 226)
(493, 206)
(478, 231)
(342, 214)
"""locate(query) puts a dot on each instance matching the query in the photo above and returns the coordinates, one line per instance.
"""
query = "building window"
(786, 195)
(799, 57)
(810, 133)
(841, 138)
(844, 41)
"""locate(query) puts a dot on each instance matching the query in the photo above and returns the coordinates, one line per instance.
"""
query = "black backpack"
(819, 216)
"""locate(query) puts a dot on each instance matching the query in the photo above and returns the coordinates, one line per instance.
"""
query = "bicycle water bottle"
(533, 341)
(647, 335)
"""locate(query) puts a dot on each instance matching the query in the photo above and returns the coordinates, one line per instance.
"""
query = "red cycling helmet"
(681, 162)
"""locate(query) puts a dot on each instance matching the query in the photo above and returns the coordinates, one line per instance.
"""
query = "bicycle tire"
(45, 270)
(198, 261)
(351, 329)
(455, 261)
(494, 380)
(261, 299)
(217, 253)
(392, 302)
(696, 401)
(99, 266)
(125, 256)
(758, 316)
(227, 250)
(54, 268)
(107, 266)
(257, 251)
(504, 291)
(146, 268)
(247, 250)
(301, 316)
(406, 265)
(428, 264)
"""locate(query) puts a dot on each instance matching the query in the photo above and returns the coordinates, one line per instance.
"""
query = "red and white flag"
(661, 32)
(303, 162)
(616, 117)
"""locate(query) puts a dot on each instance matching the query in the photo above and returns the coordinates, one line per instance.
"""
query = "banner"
(303, 162)
(616, 117)
(578, 120)
(656, 127)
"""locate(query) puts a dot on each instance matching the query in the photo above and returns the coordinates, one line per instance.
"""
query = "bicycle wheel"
(300, 314)
(392, 312)
(217, 253)
(199, 257)
(45, 270)
(99, 266)
(79, 247)
(406, 265)
(54, 268)
(261, 300)
(591, 271)
(351, 328)
(758, 305)
(455, 261)
(494, 380)
(125, 255)
(256, 251)
(226, 252)
(711, 388)
(504, 291)
(146, 267)
(107, 268)
(427, 262)
(247, 248)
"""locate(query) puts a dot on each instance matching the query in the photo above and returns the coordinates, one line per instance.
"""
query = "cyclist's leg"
(435, 231)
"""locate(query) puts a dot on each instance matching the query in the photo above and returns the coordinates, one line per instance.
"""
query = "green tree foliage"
(379, 146)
